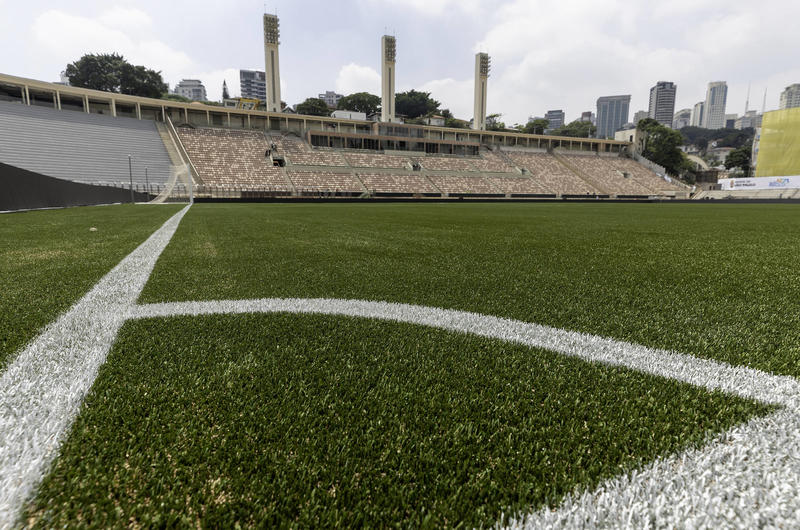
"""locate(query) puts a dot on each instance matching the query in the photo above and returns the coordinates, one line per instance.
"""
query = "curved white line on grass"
(746, 477)
(706, 373)
(42, 389)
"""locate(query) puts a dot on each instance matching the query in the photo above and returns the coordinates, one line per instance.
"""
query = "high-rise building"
(612, 113)
(588, 116)
(730, 120)
(639, 115)
(272, 62)
(697, 114)
(790, 97)
(751, 119)
(716, 99)
(662, 102)
(681, 119)
(555, 119)
(253, 85)
(192, 89)
(482, 66)
(388, 56)
(331, 98)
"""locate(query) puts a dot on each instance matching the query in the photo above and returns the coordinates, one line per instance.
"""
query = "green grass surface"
(719, 281)
(288, 420)
(49, 259)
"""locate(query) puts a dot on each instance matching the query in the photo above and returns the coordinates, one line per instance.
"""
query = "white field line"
(746, 477)
(42, 389)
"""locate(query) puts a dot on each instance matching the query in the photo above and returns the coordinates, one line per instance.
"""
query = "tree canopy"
(739, 158)
(110, 72)
(360, 102)
(536, 126)
(313, 107)
(575, 129)
(701, 137)
(662, 145)
(414, 104)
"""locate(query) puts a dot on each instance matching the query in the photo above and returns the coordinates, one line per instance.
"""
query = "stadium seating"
(605, 177)
(231, 158)
(377, 160)
(454, 184)
(88, 148)
(491, 162)
(552, 174)
(446, 163)
(298, 153)
(392, 183)
(325, 181)
(519, 185)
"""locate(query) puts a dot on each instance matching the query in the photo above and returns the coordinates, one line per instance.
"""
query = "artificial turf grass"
(717, 281)
(49, 259)
(290, 420)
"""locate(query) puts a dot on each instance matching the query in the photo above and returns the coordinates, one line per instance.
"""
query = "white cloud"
(126, 18)
(456, 95)
(356, 78)
(434, 8)
(127, 31)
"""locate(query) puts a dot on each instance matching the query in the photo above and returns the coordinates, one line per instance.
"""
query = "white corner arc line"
(44, 385)
(706, 373)
(745, 477)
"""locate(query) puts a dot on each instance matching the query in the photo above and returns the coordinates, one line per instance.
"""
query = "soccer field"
(437, 365)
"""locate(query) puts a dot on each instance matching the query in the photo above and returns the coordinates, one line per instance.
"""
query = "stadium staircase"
(593, 182)
(81, 147)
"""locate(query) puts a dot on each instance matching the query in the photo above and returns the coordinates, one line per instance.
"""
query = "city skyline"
(436, 42)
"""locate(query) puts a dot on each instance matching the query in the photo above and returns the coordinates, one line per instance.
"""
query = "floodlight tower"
(482, 65)
(388, 52)
(273, 71)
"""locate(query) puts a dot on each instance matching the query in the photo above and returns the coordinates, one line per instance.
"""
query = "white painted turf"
(746, 477)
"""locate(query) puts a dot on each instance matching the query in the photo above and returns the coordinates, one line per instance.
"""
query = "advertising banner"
(761, 183)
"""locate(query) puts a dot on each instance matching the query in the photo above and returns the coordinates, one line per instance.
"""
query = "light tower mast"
(482, 65)
(388, 53)
(272, 64)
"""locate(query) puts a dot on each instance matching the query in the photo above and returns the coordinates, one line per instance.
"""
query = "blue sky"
(546, 54)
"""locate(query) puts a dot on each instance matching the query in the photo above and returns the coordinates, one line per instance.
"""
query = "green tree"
(493, 123)
(313, 107)
(453, 122)
(110, 72)
(360, 102)
(662, 145)
(739, 158)
(536, 126)
(414, 104)
(576, 129)
(225, 94)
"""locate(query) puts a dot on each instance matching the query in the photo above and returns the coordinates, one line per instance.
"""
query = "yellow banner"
(779, 148)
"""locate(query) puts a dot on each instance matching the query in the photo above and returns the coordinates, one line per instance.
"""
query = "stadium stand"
(377, 161)
(458, 185)
(230, 158)
(299, 153)
(521, 185)
(603, 177)
(411, 184)
(325, 182)
(491, 162)
(552, 174)
(446, 163)
(81, 147)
